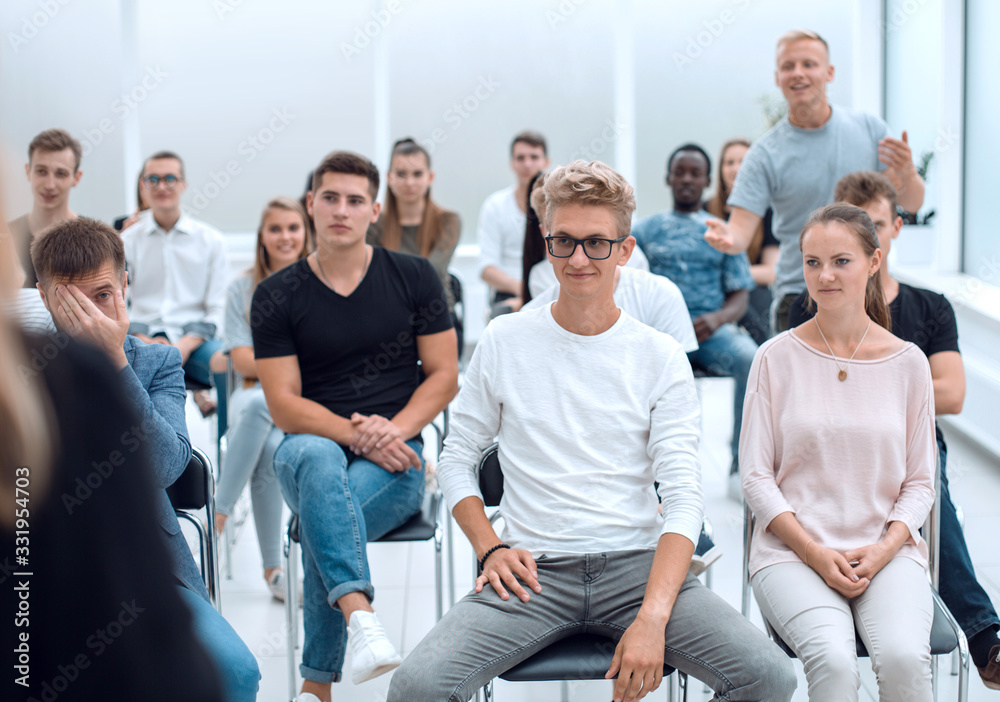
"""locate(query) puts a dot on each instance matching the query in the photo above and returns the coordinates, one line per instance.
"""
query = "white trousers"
(893, 617)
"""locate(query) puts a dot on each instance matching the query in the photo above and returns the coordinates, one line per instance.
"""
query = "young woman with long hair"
(410, 221)
(837, 458)
(282, 239)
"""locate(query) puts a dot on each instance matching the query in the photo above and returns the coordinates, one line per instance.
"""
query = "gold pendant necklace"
(842, 375)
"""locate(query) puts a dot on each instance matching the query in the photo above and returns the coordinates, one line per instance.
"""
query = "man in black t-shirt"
(356, 355)
(928, 320)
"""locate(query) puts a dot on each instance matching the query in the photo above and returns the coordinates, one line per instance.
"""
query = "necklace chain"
(843, 369)
(326, 280)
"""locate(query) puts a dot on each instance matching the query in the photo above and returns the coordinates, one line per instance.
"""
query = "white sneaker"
(307, 697)
(276, 584)
(372, 654)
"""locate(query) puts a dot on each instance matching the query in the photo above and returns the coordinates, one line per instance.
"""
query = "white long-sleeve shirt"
(177, 279)
(585, 424)
(500, 233)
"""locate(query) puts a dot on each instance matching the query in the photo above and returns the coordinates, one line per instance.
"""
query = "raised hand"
(897, 156)
(718, 236)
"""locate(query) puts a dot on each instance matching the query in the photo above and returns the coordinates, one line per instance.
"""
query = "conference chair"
(192, 491)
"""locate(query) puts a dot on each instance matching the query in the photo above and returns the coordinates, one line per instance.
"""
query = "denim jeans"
(252, 440)
(600, 593)
(728, 352)
(237, 667)
(197, 367)
(958, 587)
(343, 502)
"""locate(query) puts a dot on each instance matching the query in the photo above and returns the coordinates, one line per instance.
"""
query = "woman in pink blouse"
(837, 464)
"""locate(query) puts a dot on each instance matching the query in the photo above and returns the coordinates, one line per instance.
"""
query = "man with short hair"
(794, 167)
(927, 319)
(53, 170)
(502, 221)
(178, 275)
(82, 280)
(590, 408)
(356, 355)
(715, 285)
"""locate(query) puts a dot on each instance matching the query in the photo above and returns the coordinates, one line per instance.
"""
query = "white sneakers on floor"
(307, 697)
(372, 654)
(276, 584)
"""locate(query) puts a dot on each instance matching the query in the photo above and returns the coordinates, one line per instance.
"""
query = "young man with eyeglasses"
(177, 275)
(590, 408)
(715, 285)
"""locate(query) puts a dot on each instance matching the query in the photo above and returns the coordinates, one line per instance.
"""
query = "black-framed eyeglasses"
(595, 249)
(169, 180)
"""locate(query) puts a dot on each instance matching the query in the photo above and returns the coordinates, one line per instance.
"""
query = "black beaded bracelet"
(482, 561)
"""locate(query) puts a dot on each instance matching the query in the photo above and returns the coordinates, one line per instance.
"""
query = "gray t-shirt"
(794, 171)
(236, 329)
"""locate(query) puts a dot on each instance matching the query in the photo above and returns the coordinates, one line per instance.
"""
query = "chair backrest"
(192, 489)
(490, 476)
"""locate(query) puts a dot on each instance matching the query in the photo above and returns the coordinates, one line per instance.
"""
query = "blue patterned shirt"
(674, 243)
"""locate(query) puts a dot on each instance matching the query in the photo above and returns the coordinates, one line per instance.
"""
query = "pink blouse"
(846, 457)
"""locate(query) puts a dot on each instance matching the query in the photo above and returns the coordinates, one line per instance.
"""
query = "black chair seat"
(943, 639)
(419, 527)
(577, 657)
(188, 491)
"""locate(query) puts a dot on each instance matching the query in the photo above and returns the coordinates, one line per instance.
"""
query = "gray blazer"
(154, 380)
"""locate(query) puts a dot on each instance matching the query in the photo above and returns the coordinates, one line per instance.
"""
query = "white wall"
(215, 78)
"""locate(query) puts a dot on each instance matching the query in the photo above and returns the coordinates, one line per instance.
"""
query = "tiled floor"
(403, 574)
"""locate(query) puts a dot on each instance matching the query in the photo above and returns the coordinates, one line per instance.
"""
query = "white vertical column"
(624, 87)
(131, 139)
(382, 122)
(868, 56)
(949, 145)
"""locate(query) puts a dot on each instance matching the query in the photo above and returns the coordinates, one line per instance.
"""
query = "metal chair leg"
(291, 616)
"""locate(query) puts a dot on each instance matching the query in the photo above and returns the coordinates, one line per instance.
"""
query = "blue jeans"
(197, 367)
(343, 502)
(237, 667)
(965, 597)
(728, 352)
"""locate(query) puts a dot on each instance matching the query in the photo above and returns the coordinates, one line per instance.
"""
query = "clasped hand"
(381, 442)
(837, 570)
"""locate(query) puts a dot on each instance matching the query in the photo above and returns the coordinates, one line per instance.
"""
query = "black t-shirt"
(356, 353)
(920, 316)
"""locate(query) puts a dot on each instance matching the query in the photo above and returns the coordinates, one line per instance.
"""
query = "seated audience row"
(353, 410)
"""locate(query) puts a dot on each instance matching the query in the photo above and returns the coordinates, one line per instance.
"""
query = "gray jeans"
(482, 636)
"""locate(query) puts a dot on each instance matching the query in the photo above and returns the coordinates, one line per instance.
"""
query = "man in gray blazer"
(80, 265)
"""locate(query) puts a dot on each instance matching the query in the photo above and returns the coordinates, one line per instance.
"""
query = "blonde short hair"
(593, 183)
(798, 35)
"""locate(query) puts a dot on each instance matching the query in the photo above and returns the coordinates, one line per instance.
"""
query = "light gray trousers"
(893, 617)
(252, 440)
(482, 635)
